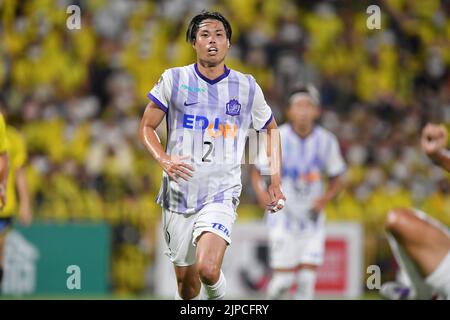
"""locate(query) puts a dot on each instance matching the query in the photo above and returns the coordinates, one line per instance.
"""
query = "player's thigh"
(424, 239)
(210, 252)
(212, 235)
(413, 227)
(178, 234)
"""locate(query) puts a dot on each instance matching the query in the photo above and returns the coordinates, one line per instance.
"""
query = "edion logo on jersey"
(221, 227)
(215, 128)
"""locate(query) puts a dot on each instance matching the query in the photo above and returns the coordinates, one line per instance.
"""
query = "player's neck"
(302, 132)
(211, 72)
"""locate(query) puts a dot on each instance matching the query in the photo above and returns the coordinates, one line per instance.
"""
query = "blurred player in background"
(297, 233)
(209, 109)
(420, 244)
(17, 155)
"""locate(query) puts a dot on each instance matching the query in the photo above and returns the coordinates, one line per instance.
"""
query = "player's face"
(302, 112)
(211, 43)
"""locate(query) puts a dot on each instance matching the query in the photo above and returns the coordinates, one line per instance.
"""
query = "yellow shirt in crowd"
(3, 139)
(17, 155)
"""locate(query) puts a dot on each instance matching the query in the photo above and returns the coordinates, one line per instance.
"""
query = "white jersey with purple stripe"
(305, 162)
(209, 121)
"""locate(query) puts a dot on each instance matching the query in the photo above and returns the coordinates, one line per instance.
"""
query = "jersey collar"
(306, 137)
(214, 81)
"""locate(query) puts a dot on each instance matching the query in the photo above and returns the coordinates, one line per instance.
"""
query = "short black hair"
(309, 90)
(191, 32)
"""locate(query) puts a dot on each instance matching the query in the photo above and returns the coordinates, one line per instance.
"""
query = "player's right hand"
(434, 138)
(277, 198)
(175, 167)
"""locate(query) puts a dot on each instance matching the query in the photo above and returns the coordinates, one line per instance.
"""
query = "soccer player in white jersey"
(420, 244)
(209, 109)
(297, 232)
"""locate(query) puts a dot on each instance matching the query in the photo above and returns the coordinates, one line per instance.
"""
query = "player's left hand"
(277, 198)
(319, 204)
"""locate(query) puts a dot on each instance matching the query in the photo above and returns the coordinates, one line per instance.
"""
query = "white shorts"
(181, 231)
(440, 278)
(287, 250)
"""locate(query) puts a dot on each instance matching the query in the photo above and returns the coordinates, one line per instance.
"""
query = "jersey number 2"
(208, 143)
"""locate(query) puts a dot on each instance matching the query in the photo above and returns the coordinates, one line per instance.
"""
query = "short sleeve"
(334, 161)
(261, 112)
(161, 92)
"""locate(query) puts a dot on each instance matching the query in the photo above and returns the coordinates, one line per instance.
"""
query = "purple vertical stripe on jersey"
(192, 98)
(192, 94)
(174, 100)
(247, 119)
(219, 197)
(202, 192)
(309, 161)
(291, 147)
(175, 86)
(167, 129)
(302, 168)
(233, 87)
(174, 92)
(213, 99)
(235, 146)
(317, 156)
(328, 148)
(233, 92)
(168, 122)
(251, 94)
(209, 109)
(213, 107)
(178, 125)
(201, 195)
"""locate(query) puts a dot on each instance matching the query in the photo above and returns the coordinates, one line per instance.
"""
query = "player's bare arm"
(274, 153)
(335, 185)
(433, 142)
(259, 187)
(173, 166)
(4, 168)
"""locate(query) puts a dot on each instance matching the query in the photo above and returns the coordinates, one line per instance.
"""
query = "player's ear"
(318, 112)
(288, 112)
(228, 43)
